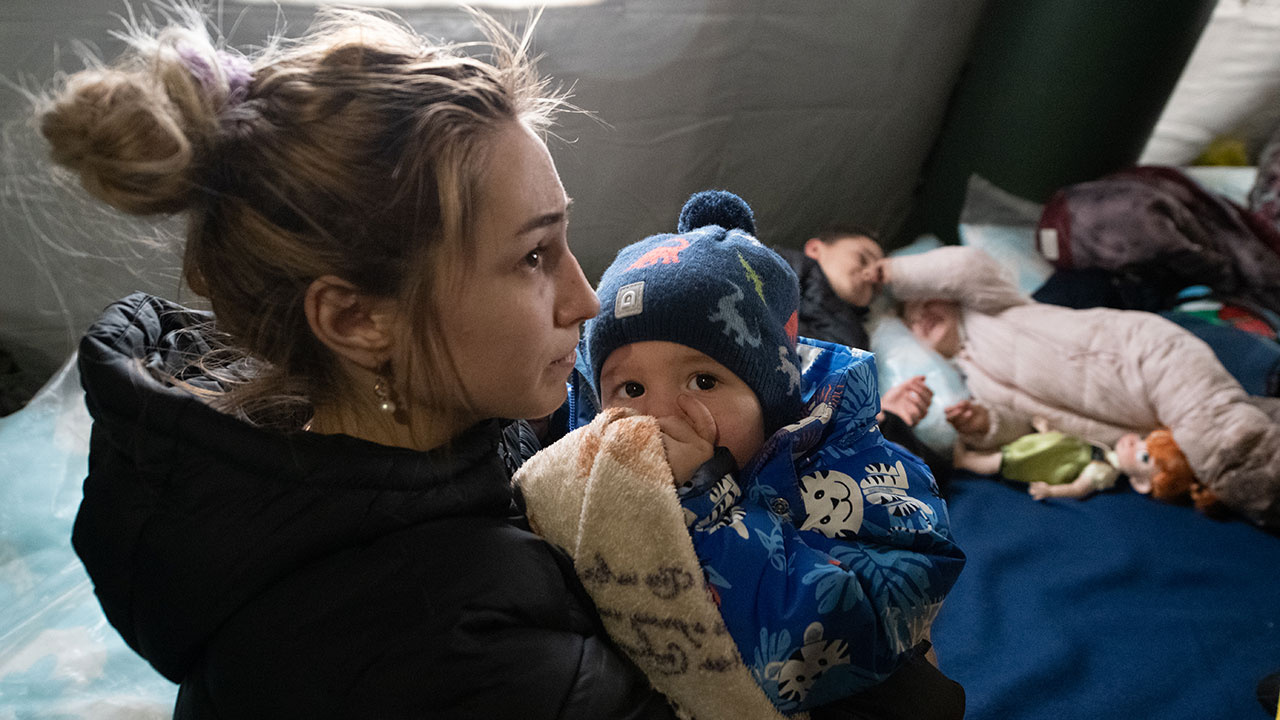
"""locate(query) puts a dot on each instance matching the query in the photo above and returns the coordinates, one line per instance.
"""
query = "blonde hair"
(355, 151)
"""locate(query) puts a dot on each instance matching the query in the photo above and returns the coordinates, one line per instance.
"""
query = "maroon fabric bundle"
(1160, 226)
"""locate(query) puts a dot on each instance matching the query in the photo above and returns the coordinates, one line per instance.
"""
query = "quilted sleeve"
(965, 275)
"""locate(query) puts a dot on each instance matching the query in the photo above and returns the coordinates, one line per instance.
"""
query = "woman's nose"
(576, 302)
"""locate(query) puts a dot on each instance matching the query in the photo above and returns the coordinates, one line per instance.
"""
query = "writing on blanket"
(600, 573)
(673, 657)
(665, 643)
(667, 583)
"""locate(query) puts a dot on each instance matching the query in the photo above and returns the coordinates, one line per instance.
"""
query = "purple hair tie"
(235, 68)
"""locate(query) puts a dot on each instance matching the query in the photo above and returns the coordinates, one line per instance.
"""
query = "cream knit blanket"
(605, 494)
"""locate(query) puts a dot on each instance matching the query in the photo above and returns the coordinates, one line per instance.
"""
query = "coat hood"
(189, 513)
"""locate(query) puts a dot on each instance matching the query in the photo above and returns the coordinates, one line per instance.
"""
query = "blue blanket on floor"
(1112, 607)
(1116, 606)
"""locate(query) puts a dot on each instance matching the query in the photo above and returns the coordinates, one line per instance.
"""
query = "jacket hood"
(189, 513)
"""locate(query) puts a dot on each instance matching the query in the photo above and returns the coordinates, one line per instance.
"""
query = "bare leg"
(979, 461)
(1078, 488)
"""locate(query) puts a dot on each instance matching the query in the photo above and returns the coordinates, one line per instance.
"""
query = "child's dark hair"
(831, 233)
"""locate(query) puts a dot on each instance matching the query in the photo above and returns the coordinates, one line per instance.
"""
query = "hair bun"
(115, 130)
(716, 207)
(133, 131)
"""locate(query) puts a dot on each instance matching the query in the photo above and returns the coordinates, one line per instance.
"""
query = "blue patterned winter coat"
(831, 552)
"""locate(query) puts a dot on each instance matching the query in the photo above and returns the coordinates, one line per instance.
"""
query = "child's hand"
(879, 272)
(908, 400)
(689, 438)
(969, 418)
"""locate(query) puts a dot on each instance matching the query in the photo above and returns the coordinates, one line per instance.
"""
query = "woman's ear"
(357, 327)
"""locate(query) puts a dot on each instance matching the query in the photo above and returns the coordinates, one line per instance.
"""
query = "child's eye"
(632, 389)
(1144, 457)
(703, 381)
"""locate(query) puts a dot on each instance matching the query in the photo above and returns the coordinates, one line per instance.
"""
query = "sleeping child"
(1096, 374)
(750, 538)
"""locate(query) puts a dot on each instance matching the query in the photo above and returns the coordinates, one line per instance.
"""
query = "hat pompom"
(716, 207)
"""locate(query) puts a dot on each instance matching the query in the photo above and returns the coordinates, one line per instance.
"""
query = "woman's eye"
(702, 381)
(534, 258)
(633, 389)
(1144, 457)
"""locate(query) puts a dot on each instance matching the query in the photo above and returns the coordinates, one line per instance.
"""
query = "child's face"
(849, 265)
(936, 323)
(648, 377)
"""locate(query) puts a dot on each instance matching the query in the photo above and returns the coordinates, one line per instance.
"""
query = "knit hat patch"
(712, 287)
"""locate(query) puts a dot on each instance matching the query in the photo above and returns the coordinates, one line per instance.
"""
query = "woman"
(306, 511)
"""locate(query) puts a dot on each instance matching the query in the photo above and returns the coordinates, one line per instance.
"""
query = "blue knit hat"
(712, 287)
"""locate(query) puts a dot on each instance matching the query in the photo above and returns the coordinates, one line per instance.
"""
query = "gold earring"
(384, 392)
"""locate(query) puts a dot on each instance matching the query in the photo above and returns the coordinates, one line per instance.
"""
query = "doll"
(1058, 465)
(1053, 464)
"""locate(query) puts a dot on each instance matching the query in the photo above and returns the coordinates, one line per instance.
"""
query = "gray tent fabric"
(815, 113)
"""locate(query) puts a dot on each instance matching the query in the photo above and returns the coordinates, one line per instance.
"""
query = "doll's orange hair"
(1173, 480)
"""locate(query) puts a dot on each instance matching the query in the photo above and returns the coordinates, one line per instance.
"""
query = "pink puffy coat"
(1100, 373)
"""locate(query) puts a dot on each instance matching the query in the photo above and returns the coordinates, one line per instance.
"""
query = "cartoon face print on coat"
(832, 504)
(797, 674)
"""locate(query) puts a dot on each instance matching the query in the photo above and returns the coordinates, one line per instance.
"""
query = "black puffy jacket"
(283, 575)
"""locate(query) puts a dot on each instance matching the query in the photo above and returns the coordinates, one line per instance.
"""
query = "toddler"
(1095, 374)
(825, 548)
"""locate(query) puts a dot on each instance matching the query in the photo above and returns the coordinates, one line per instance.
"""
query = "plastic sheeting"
(59, 658)
(1230, 88)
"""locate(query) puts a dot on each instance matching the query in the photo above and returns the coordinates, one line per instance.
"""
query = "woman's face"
(512, 326)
